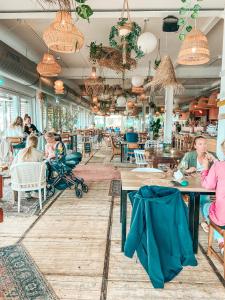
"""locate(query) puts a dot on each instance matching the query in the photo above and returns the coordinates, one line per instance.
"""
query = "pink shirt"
(215, 179)
(50, 150)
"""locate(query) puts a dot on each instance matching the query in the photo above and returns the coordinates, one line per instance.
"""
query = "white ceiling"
(25, 24)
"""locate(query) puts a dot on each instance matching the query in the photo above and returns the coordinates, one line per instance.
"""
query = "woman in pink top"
(50, 146)
(214, 178)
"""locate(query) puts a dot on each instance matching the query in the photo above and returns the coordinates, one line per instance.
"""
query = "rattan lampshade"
(62, 35)
(48, 67)
(212, 102)
(59, 87)
(202, 102)
(194, 49)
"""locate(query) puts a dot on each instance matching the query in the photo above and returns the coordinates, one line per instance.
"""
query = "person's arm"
(209, 176)
(34, 128)
(184, 165)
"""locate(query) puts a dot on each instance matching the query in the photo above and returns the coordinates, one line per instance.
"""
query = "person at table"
(214, 178)
(29, 127)
(29, 154)
(16, 130)
(50, 145)
(192, 162)
(130, 136)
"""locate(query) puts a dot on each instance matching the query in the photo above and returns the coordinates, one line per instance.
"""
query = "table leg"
(75, 142)
(71, 142)
(124, 218)
(121, 153)
(194, 201)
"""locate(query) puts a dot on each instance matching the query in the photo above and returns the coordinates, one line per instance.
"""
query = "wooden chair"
(211, 251)
(170, 161)
(115, 149)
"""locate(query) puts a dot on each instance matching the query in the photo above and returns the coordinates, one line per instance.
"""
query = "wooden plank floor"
(68, 243)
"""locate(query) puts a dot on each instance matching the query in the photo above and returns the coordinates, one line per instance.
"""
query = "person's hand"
(190, 170)
(205, 163)
(210, 157)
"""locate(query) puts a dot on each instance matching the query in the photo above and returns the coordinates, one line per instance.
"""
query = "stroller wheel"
(50, 191)
(84, 188)
(78, 193)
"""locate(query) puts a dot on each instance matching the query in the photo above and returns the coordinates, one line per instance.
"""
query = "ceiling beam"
(181, 72)
(107, 13)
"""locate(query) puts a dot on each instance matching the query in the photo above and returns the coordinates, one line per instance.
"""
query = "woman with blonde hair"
(30, 153)
(16, 128)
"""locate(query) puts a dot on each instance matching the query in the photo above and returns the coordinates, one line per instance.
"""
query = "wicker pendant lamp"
(62, 35)
(212, 102)
(48, 67)
(59, 87)
(194, 50)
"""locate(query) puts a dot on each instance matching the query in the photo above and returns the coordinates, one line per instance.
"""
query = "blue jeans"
(206, 206)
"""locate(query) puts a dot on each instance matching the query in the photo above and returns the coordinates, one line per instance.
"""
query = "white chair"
(149, 144)
(140, 158)
(29, 176)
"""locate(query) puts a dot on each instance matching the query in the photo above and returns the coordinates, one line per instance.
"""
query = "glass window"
(6, 111)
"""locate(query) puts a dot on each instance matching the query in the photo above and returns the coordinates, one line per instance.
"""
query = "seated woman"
(131, 136)
(50, 145)
(29, 154)
(16, 130)
(53, 149)
(193, 162)
(214, 178)
(29, 127)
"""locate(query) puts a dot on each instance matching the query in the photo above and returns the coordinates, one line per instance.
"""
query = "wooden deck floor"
(77, 248)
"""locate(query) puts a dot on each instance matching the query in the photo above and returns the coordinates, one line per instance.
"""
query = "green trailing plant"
(83, 10)
(155, 125)
(130, 39)
(95, 51)
(189, 10)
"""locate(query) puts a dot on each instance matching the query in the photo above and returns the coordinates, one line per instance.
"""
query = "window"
(6, 111)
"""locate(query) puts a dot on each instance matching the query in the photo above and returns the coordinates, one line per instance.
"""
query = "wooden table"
(132, 181)
(158, 156)
(123, 143)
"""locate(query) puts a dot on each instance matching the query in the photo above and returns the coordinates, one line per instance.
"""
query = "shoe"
(221, 246)
(205, 226)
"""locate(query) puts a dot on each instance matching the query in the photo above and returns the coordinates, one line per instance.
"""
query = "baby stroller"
(60, 172)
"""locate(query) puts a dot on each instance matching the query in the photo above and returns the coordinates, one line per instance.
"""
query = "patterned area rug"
(115, 188)
(19, 277)
(97, 172)
(29, 207)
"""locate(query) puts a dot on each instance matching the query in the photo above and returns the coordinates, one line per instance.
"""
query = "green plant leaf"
(183, 1)
(84, 11)
(183, 11)
(181, 21)
(196, 7)
(188, 28)
(181, 36)
(194, 15)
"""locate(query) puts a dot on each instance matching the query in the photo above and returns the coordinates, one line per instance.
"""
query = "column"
(16, 107)
(168, 122)
(221, 122)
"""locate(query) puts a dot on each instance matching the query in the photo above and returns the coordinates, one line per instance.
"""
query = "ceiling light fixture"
(62, 35)
(48, 67)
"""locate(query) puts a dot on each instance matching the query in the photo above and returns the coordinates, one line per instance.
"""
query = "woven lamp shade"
(59, 87)
(62, 35)
(165, 77)
(202, 103)
(194, 49)
(193, 105)
(48, 67)
(212, 101)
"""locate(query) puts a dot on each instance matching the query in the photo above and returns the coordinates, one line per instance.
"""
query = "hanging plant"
(130, 39)
(84, 11)
(190, 9)
(158, 57)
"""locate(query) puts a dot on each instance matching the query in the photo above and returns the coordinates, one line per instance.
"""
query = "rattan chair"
(115, 149)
